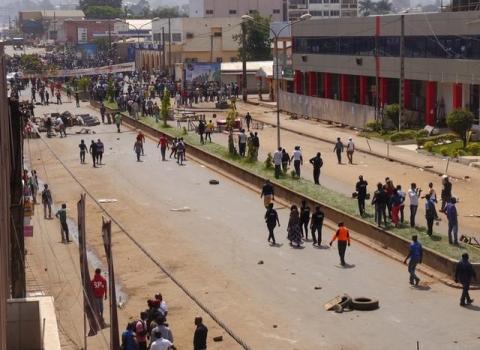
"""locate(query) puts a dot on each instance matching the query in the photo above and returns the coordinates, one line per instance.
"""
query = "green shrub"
(422, 133)
(269, 161)
(429, 146)
(459, 153)
(375, 126)
(391, 111)
(474, 149)
(437, 139)
(460, 121)
(444, 151)
(403, 135)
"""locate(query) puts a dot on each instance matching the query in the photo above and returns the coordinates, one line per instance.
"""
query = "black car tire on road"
(365, 304)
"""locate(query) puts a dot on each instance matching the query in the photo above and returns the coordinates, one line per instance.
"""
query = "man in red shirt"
(163, 144)
(141, 138)
(99, 286)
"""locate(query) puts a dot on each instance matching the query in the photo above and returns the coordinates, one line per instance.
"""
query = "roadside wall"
(347, 113)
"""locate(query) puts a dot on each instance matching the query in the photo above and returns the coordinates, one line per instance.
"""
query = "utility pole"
(377, 70)
(244, 63)
(169, 46)
(211, 48)
(110, 39)
(163, 49)
(401, 97)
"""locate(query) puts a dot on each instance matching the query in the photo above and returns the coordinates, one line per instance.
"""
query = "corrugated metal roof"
(62, 13)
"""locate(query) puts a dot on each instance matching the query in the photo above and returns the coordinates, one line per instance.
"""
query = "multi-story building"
(48, 24)
(194, 39)
(277, 9)
(322, 8)
(340, 65)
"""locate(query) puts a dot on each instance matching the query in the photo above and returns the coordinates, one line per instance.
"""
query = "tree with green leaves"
(102, 12)
(165, 110)
(383, 7)
(31, 63)
(85, 4)
(460, 121)
(366, 7)
(257, 38)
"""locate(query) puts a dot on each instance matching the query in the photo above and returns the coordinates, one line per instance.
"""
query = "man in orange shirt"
(343, 237)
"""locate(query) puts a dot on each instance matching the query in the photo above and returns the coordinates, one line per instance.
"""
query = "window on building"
(217, 34)
(276, 11)
(334, 1)
(177, 37)
(189, 35)
(326, 13)
(157, 37)
(316, 13)
(334, 13)
(232, 12)
(219, 60)
(316, 1)
(233, 59)
(209, 12)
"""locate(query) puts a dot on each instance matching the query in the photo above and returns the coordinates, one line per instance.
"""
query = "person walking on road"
(433, 198)
(452, 217)
(342, 235)
(429, 213)
(180, 151)
(413, 194)
(77, 99)
(248, 120)
(163, 144)
(128, 338)
(402, 205)
(361, 189)
(446, 193)
(464, 273)
(415, 255)
(118, 121)
(380, 201)
(294, 229)
(137, 148)
(47, 201)
(297, 160)
(350, 150)
(83, 150)
(277, 162)
(285, 161)
(100, 150)
(160, 342)
(200, 335)
(62, 216)
(93, 153)
(256, 145)
(141, 138)
(271, 218)
(141, 331)
(316, 225)
(338, 149)
(267, 194)
(317, 163)
(304, 218)
(99, 287)
(395, 203)
(102, 112)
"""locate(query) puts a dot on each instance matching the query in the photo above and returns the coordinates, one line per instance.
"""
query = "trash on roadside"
(260, 262)
(183, 209)
(107, 200)
(218, 339)
(213, 182)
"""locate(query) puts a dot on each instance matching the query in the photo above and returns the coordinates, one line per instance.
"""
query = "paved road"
(214, 249)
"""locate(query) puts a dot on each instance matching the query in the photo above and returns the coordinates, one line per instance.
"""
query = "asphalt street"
(214, 247)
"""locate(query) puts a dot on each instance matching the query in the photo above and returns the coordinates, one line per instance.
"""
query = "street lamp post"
(276, 74)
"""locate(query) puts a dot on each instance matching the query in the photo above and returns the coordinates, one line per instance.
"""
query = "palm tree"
(366, 7)
(383, 7)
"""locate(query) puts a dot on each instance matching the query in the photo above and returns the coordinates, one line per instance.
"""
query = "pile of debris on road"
(344, 303)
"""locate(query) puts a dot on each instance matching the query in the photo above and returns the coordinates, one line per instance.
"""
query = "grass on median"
(334, 199)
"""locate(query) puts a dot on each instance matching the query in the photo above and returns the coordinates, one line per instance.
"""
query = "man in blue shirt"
(464, 273)
(451, 212)
(415, 255)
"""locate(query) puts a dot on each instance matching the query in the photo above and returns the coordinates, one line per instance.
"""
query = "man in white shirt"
(242, 143)
(350, 150)
(161, 343)
(277, 161)
(297, 160)
(413, 194)
(163, 308)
